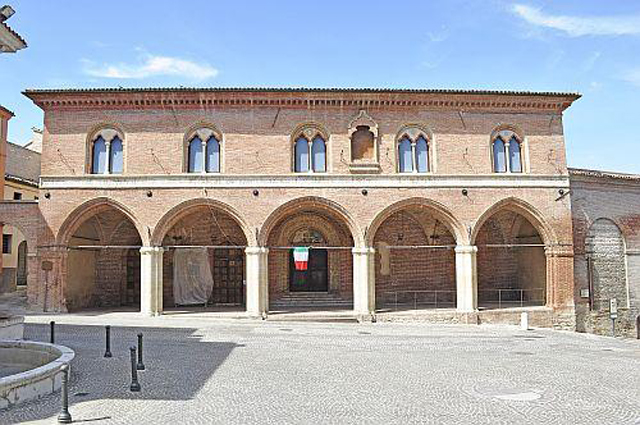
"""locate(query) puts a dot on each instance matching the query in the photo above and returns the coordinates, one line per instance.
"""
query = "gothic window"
(204, 151)
(107, 153)
(507, 152)
(195, 155)
(319, 158)
(404, 155)
(213, 155)
(310, 151)
(99, 163)
(413, 151)
(115, 160)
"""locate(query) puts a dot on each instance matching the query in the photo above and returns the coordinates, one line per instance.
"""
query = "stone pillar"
(151, 280)
(257, 273)
(466, 278)
(364, 282)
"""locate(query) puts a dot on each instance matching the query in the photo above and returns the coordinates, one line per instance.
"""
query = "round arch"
(439, 212)
(624, 231)
(174, 215)
(523, 208)
(310, 201)
(90, 208)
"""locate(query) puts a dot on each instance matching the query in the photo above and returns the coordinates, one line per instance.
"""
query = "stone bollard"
(140, 365)
(524, 321)
(135, 385)
(107, 351)
(52, 332)
(64, 417)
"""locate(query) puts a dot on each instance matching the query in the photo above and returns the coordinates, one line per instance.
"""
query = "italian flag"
(301, 258)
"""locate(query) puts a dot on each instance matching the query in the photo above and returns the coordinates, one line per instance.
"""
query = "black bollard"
(65, 417)
(107, 352)
(52, 332)
(638, 326)
(140, 365)
(135, 385)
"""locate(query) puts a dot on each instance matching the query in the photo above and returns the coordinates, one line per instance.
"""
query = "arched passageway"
(324, 235)
(204, 258)
(511, 262)
(103, 260)
(415, 261)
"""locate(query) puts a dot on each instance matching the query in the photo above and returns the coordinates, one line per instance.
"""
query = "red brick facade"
(257, 199)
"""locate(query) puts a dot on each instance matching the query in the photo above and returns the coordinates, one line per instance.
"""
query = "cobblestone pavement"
(200, 371)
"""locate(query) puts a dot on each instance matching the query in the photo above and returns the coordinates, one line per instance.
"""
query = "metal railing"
(407, 299)
(505, 298)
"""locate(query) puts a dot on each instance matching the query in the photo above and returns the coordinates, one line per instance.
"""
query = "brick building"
(408, 199)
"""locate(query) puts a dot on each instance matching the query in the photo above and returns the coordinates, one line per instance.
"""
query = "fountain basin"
(11, 327)
(30, 369)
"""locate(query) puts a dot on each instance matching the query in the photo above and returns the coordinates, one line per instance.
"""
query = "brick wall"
(606, 219)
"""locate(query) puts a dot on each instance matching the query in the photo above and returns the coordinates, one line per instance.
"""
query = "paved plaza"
(242, 371)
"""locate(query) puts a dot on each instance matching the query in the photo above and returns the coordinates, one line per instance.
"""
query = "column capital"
(466, 249)
(149, 250)
(363, 250)
(256, 250)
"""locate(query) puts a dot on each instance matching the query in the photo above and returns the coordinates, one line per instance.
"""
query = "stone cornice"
(185, 98)
(223, 181)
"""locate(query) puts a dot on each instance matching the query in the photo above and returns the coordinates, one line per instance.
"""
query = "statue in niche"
(362, 144)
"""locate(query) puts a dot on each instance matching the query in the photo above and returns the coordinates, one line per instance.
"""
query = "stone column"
(107, 168)
(364, 282)
(151, 280)
(466, 278)
(257, 273)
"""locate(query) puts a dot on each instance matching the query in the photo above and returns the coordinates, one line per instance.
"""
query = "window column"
(257, 284)
(107, 167)
(151, 280)
(466, 278)
(507, 155)
(204, 155)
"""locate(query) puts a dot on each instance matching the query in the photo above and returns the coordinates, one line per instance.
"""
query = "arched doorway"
(103, 250)
(415, 260)
(203, 261)
(322, 231)
(511, 262)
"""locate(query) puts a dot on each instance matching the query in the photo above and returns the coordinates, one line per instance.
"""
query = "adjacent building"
(10, 41)
(22, 174)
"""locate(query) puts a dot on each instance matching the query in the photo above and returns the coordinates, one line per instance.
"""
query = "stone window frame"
(506, 133)
(204, 131)
(108, 132)
(413, 132)
(310, 131)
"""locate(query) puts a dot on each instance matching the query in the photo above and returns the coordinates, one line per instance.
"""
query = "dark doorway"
(21, 276)
(132, 292)
(315, 278)
(228, 277)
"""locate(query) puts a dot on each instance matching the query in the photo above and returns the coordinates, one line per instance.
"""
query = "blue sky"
(588, 46)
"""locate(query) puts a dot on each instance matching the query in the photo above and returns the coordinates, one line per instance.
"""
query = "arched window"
(99, 156)
(514, 156)
(203, 150)
(195, 155)
(107, 152)
(302, 155)
(319, 155)
(116, 160)
(499, 162)
(309, 149)
(507, 152)
(405, 156)
(422, 155)
(413, 151)
(213, 155)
